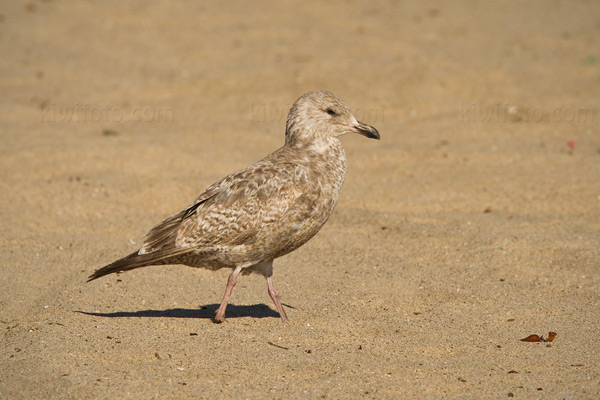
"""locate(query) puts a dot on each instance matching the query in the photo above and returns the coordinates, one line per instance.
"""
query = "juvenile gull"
(262, 212)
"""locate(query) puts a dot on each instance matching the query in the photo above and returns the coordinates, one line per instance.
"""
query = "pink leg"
(275, 296)
(220, 313)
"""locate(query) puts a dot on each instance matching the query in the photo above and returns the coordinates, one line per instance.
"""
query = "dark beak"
(366, 130)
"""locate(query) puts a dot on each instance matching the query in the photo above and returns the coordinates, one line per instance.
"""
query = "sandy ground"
(472, 224)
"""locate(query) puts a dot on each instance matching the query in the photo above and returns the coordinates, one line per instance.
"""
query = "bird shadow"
(206, 311)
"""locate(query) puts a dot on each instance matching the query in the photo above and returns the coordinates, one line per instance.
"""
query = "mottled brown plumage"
(260, 213)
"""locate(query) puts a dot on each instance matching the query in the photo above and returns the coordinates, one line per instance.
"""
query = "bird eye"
(330, 111)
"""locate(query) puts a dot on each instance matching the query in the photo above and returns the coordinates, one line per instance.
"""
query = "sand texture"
(473, 223)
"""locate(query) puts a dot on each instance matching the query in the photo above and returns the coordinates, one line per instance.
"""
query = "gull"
(264, 211)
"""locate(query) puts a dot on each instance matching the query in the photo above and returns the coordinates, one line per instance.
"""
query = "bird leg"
(275, 296)
(220, 313)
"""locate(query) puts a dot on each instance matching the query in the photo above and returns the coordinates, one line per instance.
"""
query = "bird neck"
(312, 142)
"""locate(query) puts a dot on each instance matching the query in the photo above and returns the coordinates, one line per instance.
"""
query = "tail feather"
(132, 261)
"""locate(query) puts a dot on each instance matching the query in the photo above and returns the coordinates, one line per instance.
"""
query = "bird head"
(322, 113)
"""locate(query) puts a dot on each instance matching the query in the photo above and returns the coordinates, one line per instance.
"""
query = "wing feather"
(229, 213)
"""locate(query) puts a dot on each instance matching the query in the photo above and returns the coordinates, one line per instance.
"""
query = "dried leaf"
(537, 338)
(532, 338)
